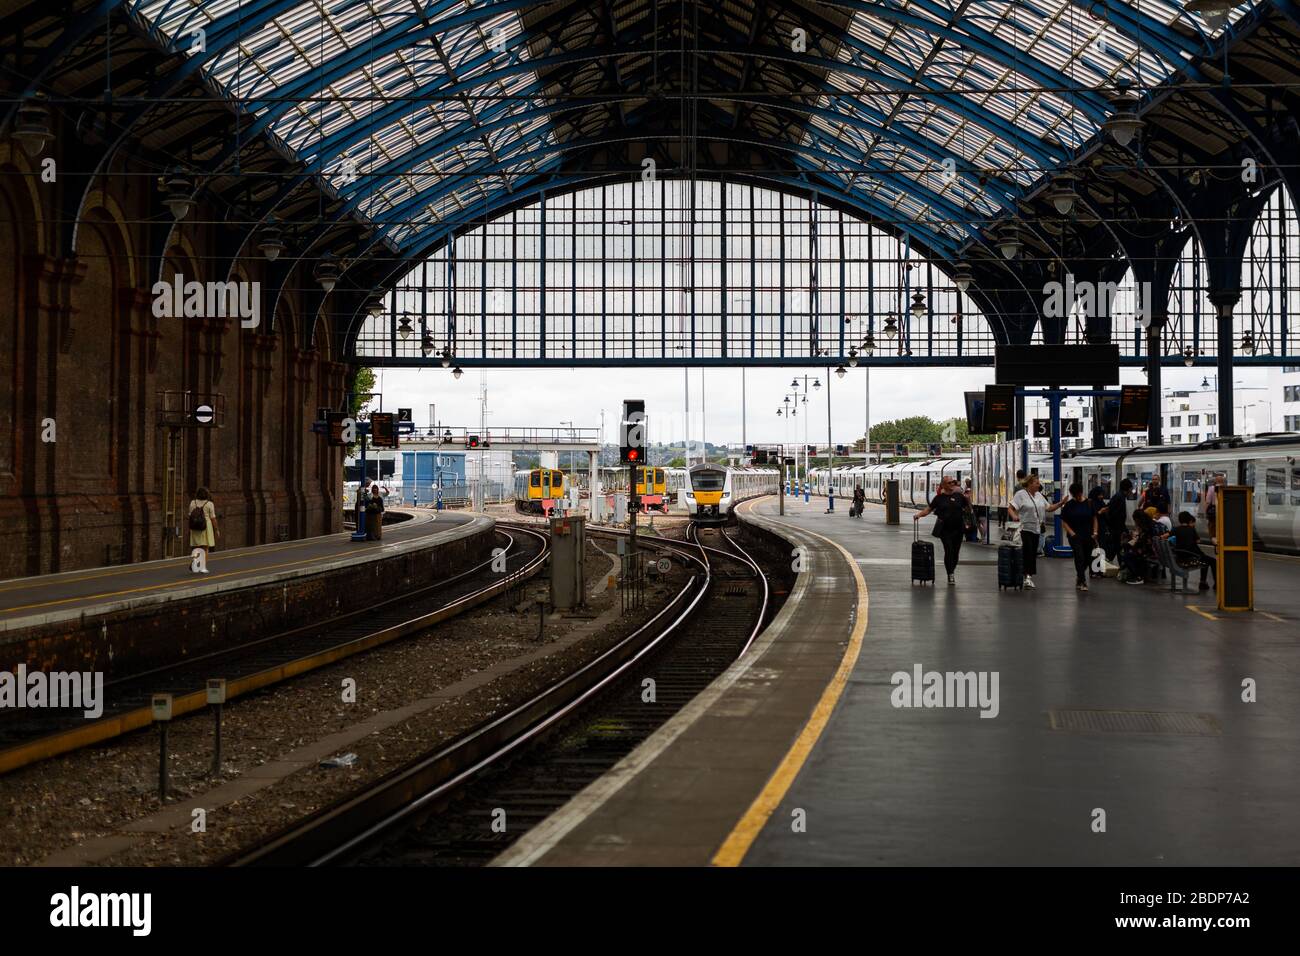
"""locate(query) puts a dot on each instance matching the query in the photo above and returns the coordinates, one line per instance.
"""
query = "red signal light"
(633, 454)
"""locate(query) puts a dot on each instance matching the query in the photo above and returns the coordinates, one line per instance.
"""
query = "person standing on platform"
(1155, 497)
(363, 500)
(971, 523)
(1081, 526)
(203, 525)
(948, 507)
(375, 515)
(1030, 508)
(1212, 501)
(1115, 516)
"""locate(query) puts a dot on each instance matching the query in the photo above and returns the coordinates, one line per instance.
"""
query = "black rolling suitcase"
(1011, 567)
(922, 556)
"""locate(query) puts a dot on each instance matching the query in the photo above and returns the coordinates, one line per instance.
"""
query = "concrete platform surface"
(31, 602)
(1121, 729)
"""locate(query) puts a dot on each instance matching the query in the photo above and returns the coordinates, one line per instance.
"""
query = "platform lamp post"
(816, 385)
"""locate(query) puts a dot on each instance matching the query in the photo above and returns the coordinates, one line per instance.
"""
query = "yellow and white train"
(538, 490)
(713, 490)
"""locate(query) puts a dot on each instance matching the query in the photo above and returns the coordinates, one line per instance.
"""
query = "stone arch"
(103, 210)
(30, 210)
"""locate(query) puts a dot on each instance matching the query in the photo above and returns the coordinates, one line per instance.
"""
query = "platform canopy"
(372, 134)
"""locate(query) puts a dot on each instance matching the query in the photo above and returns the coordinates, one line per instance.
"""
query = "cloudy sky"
(552, 397)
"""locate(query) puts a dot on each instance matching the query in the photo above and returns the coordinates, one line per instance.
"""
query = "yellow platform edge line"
(736, 846)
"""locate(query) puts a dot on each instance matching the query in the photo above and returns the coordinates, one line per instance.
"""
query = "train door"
(1270, 483)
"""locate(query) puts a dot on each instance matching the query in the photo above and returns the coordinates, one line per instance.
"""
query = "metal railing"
(458, 438)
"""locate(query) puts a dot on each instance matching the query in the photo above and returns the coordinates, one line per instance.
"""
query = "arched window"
(670, 270)
(1270, 278)
(1192, 318)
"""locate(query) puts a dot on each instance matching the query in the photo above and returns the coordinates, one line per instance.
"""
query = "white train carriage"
(1266, 463)
(711, 490)
(675, 482)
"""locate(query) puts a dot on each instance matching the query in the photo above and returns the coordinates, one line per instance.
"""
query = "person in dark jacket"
(1187, 547)
(1114, 518)
(375, 515)
(1155, 497)
(948, 507)
(1080, 523)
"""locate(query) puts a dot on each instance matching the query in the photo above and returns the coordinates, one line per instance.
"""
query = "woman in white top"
(202, 519)
(1030, 508)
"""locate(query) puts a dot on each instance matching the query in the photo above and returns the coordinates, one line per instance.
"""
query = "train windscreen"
(711, 480)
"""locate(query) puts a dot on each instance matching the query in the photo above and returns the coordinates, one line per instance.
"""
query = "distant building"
(1284, 394)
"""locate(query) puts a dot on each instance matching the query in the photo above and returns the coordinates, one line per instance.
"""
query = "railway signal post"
(632, 453)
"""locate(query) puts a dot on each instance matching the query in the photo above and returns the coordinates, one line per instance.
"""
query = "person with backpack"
(202, 524)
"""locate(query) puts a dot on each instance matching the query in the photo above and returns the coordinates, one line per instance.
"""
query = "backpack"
(198, 520)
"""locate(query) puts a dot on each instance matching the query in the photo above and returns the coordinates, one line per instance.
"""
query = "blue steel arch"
(1174, 48)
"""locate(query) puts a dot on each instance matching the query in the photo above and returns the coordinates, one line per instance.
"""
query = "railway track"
(27, 736)
(529, 761)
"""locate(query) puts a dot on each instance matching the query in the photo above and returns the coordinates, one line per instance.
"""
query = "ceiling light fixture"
(32, 127)
(270, 244)
(918, 304)
(1062, 195)
(1124, 123)
(326, 272)
(962, 275)
(1213, 12)
(1010, 244)
(178, 189)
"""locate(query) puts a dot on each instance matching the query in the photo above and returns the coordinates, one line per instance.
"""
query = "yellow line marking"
(1273, 617)
(741, 838)
(1196, 610)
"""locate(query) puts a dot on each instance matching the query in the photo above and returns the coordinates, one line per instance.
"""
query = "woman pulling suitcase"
(949, 506)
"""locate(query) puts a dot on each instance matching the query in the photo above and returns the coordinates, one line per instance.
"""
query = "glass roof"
(937, 113)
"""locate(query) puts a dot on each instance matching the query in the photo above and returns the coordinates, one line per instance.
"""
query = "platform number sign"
(1043, 428)
(631, 443)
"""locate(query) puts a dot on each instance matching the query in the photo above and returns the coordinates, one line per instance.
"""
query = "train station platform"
(1104, 728)
(121, 618)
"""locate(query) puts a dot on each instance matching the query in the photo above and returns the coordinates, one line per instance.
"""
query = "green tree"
(678, 462)
(914, 429)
